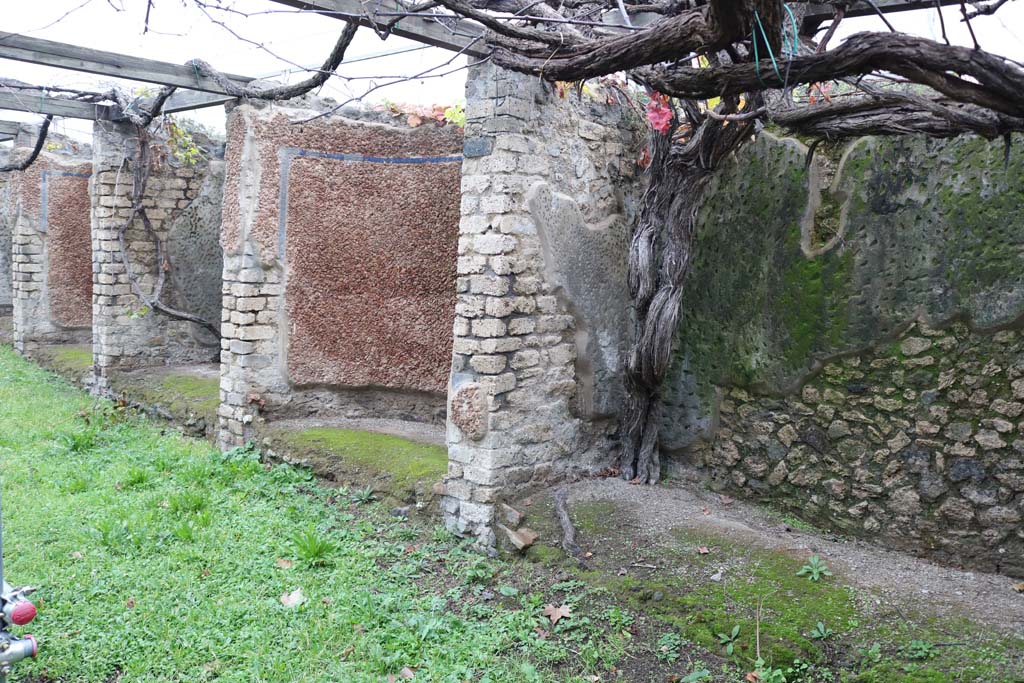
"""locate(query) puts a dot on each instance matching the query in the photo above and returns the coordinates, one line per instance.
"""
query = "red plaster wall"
(371, 254)
(268, 133)
(371, 247)
(69, 271)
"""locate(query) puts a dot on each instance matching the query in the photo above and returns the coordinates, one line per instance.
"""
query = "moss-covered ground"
(700, 587)
(71, 360)
(390, 464)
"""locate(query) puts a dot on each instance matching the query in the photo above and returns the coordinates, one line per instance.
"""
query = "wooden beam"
(64, 56)
(817, 14)
(453, 34)
(187, 100)
(9, 127)
(34, 101)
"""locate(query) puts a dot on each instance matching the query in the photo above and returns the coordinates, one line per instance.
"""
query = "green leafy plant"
(618, 619)
(920, 649)
(728, 640)
(767, 673)
(821, 632)
(364, 496)
(870, 655)
(182, 146)
(187, 502)
(694, 676)
(667, 649)
(814, 569)
(456, 114)
(313, 548)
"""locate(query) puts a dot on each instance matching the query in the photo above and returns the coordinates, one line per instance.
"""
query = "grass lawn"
(159, 559)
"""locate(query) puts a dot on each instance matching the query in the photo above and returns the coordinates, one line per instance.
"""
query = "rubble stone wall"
(183, 202)
(548, 199)
(340, 241)
(850, 351)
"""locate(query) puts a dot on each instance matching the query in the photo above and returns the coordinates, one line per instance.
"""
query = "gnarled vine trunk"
(659, 260)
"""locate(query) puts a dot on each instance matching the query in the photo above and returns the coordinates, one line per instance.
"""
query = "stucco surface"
(70, 249)
(371, 250)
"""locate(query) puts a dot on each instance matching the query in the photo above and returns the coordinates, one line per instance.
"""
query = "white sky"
(180, 31)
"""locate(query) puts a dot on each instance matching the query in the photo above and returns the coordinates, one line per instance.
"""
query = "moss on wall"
(922, 227)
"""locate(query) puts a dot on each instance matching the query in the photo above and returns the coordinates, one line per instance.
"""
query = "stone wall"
(339, 276)
(846, 350)
(46, 209)
(183, 202)
(541, 327)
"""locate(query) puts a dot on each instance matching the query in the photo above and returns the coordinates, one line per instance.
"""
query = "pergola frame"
(196, 91)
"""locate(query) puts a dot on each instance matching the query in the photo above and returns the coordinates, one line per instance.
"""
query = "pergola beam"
(454, 33)
(65, 56)
(820, 13)
(37, 103)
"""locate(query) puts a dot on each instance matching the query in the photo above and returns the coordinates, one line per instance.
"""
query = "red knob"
(23, 613)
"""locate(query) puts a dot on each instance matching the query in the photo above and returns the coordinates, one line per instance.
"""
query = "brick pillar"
(513, 376)
(125, 333)
(250, 345)
(28, 271)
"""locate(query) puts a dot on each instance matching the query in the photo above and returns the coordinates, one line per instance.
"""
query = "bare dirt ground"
(658, 513)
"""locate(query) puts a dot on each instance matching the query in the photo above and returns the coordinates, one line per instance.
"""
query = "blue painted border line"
(44, 194)
(286, 154)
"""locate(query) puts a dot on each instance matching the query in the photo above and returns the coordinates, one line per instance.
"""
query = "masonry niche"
(47, 262)
(134, 344)
(340, 242)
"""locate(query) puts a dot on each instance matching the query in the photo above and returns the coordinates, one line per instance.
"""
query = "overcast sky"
(268, 43)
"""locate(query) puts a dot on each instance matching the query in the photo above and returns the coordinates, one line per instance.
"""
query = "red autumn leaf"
(643, 162)
(659, 114)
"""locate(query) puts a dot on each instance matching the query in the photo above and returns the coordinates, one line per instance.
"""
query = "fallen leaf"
(130, 604)
(622, 571)
(703, 550)
(593, 679)
(347, 651)
(358, 628)
(557, 613)
(541, 633)
(705, 511)
(406, 673)
(327, 601)
(413, 121)
(283, 563)
(205, 572)
(77, 555)
(293, 599)
(752, 677)
(588, 554)
(717, 576)
(1019, 587)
